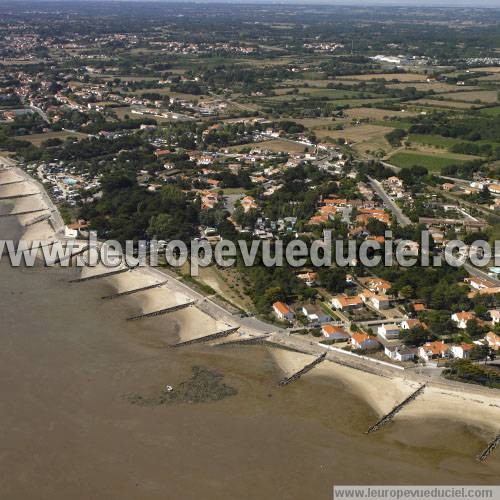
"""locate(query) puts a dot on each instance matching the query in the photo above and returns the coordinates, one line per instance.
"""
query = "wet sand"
(69, 359)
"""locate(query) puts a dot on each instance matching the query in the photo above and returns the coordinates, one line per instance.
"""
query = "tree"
(415, 336)
(332, 278)
(479, 352)
(406, 292)
(376, 227)
(475, 330)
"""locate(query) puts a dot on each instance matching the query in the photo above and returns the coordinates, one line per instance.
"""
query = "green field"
(439, 141)
(495, 111)
(434, 140)
(433, 163)
(405, 125)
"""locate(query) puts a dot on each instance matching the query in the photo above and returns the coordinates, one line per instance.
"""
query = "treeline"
(128, 211)
(473, 127)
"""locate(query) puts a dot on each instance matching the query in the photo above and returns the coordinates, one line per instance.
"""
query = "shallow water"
(68, 359)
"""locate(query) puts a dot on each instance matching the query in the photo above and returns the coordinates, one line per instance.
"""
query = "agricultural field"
(317, 123)
(495, 111)
(443, 104)
(357, 133)
(434, 140)
(438, 87)
(438, 141)
(37, 139)
(433, 163)
(487, 96)
(487, 69)
(377, 113)
(276, 145)
(319, 92)
(311, 82)
(495, 78)
(364, 138)
(388, 77)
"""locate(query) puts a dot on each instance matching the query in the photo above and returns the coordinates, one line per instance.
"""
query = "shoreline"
(474, 405)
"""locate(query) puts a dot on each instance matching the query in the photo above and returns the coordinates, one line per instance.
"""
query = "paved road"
(389, 165)
(402, 219)
(233, 103)
(44, 116)
(230, 200)
(474, 271)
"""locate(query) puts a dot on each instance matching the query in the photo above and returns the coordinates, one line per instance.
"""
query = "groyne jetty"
(389, 416)
(303, 371)
(207, 338)
(17, 196)
(25, 212)
(134, 290)
(160, 312)
(260, 340)
(489, 449)
(36, 220)
(71, 256)
(12, 182)
(100, 276)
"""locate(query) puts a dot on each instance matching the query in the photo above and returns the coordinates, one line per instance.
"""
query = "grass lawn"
(433, 163)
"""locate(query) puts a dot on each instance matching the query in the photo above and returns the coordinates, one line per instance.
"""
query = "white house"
(461, 318)
(400, 353)
(380, 302)
(363, 341)
(408, 324)
(283, 312)
(70, 233)
(335, 333)
(377, 301)
(462, 351)
(315, 314)
(390, 331)
(495, 316)
(432, 350)
(346, 303)
(493, 340)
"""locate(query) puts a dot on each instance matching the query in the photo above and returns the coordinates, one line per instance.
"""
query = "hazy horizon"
(353, 3)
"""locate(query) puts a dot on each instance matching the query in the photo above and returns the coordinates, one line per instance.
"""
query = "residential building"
(377, 301)
(493, 340)
(309, 278)
(433, 350)
(495, 316)
(400, 353)
(380, 302)
(389, 331)
(364, 341)
(315, 314)
(408, 324)
(283, 312)
(379, 285)
(461, 318)
(345, 303)
(462, 351)
(335, 333)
